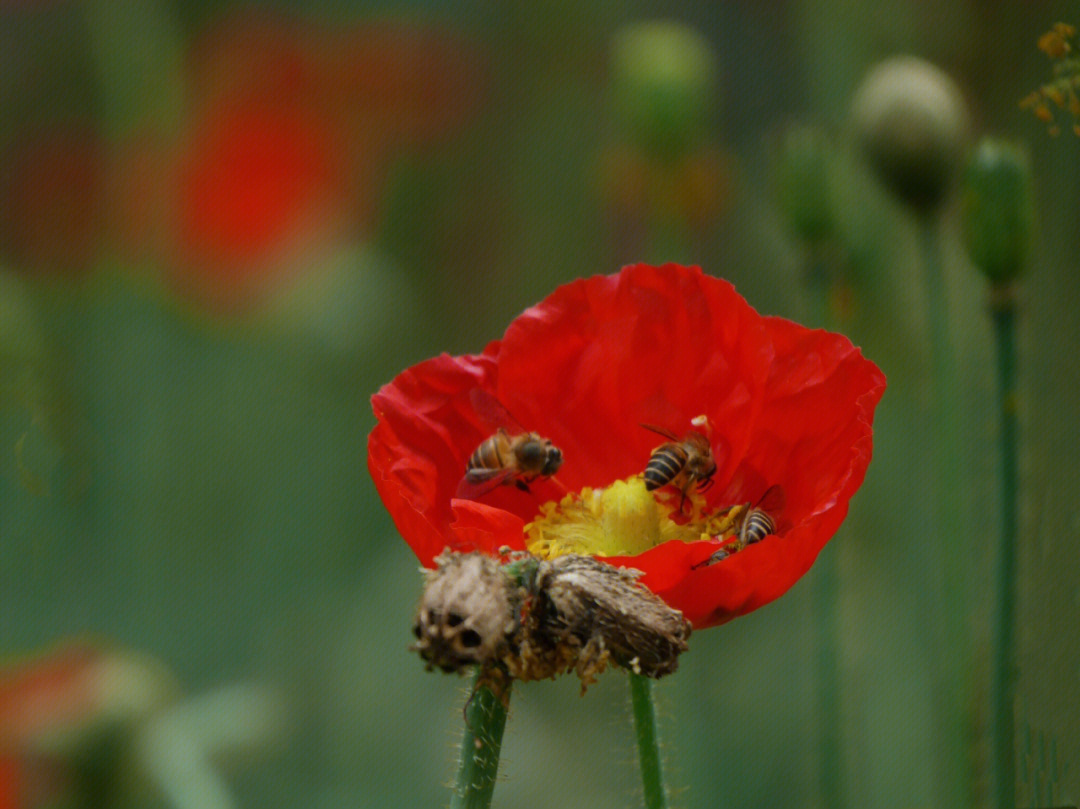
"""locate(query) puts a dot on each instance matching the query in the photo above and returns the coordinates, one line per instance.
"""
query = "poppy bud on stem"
(805, 184)
(663, 85)
(910, 120)
(998, 220)
(663, 77)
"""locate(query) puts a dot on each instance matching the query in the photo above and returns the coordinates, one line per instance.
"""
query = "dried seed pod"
(468, 612)
(597, 611)
(532, 620)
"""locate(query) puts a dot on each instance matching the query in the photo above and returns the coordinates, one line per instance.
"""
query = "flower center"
(625, 519)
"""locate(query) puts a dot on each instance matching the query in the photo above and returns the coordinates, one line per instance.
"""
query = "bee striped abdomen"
(664, 465)
(486, 456)
(759, 524)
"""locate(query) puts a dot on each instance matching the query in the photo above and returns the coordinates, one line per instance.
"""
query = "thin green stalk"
(652, 777)
(485, 720)
(947, 542)
(825, 595)
(1003, 684)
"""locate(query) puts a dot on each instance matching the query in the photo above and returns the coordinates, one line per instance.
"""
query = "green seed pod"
(663, 79)
(997, 208)
(804, 183)
(911, 122)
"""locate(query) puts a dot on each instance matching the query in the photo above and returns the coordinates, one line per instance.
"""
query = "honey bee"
(756, 522)
(760, 519)
(506, 458)
(681, 462)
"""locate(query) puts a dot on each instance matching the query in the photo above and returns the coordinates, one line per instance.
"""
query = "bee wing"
(492, 410)
(772, 501)
(661, 431)
(478, 482)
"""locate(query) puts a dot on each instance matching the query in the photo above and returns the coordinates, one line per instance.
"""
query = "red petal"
(416, 453)
(813, 437)
(479, 526)
(656, 345)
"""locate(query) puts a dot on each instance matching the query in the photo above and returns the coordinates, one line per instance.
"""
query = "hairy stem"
(485, 720)
(652, 778)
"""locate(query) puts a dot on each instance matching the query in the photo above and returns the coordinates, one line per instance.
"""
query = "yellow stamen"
(624, 519)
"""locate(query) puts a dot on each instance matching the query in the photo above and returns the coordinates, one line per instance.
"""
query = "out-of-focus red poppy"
(52, 701)
(57, 704)
(10, 781)
(256, 185)
(51, 186)
(292, 129)
(586, 368)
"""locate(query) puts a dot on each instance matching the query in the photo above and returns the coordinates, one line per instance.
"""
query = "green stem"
(485, 720)
(1004, 666)
(825, 592)
(652, 778)
(948, 544)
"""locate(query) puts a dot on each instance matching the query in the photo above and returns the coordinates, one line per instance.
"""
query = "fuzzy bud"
(663, 77)
(997, 208)
(911, 122)
(804, 183)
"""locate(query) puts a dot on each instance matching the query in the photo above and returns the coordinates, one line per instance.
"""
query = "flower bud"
(804, 184)
(997, 208)
(663, 77)
(910, 120)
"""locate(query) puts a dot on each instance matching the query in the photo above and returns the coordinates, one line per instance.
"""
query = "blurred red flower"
(591, 363)
(293, 127)
(256, 183)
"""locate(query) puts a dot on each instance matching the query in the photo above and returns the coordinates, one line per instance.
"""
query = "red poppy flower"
(585, 368)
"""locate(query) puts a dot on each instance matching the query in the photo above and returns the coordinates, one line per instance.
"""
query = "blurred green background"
(223, 226)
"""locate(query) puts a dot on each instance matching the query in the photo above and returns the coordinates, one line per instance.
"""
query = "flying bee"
(756, 522)
(683, 463)
(516, 458)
